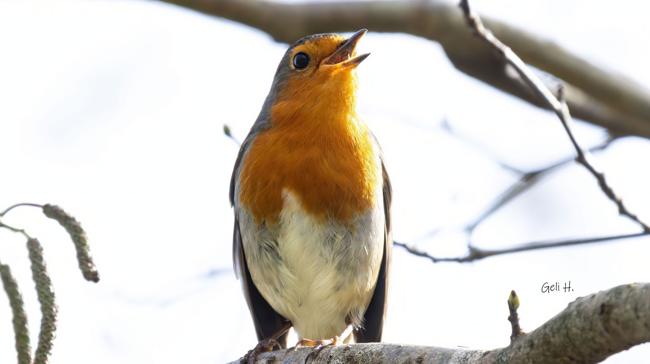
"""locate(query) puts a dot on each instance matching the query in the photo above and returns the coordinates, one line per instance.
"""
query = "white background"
(114, 110)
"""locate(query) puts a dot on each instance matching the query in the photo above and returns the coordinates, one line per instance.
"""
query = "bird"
(311, 199)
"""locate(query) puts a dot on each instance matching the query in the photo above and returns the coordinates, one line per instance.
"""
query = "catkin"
(21, 331)
(78, 236)
(46, 300)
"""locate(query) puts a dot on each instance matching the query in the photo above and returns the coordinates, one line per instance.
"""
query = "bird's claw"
(316, 346)
(263, 346)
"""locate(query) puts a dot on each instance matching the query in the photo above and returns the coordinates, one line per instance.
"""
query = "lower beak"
(342, 57)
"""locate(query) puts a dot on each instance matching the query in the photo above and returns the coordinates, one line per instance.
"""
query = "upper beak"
(343, 54)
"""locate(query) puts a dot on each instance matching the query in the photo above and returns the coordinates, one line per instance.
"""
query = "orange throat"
(317, 149)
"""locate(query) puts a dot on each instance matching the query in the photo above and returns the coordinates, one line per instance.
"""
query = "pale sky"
(114, 110)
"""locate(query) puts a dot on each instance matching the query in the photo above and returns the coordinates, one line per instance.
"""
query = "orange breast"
(329, 164)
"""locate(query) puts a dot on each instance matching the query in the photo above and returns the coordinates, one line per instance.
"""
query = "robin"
(311, 198)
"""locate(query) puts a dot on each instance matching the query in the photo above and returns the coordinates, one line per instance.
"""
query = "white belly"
(324, 273)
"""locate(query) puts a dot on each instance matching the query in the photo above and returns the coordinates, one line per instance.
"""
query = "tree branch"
(598, 325)
(604, 98)
(528, 179)
(560, 107)
(475, 253)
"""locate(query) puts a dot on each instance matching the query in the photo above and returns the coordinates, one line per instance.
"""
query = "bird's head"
(317, 74)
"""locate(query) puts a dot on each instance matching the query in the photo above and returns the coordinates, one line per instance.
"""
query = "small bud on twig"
(227, 132)
(513, 300)
(46, 299)
(513, 305)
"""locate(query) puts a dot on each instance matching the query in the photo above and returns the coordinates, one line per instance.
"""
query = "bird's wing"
(259, 125)
(267, 322)
(375, 313)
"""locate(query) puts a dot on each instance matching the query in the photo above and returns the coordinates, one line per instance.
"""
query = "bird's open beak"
(342, 57)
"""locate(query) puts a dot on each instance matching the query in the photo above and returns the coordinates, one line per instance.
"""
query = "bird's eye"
(300, 60)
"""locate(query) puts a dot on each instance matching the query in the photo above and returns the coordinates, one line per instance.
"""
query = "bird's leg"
(343, 338)
(318, 345)
(346, 335)
(268, 344)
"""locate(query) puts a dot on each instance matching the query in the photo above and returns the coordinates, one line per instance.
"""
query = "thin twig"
(558, 106)
(19, 205)
(525, 182)
(477, 253)
(446, 126)
(15, 230)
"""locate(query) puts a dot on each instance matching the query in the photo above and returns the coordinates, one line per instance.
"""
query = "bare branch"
(605, 98)
(475, 253)
(599, 325)
(559, 107)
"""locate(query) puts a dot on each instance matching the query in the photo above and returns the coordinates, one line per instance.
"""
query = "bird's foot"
(336, 340)
(268, 344)
(263, 346)
(317, 346)
(316, 343)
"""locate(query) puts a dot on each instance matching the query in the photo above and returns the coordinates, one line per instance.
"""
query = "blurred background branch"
(474, 253)
(596, 95)
(561, 109)
(557, 104)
